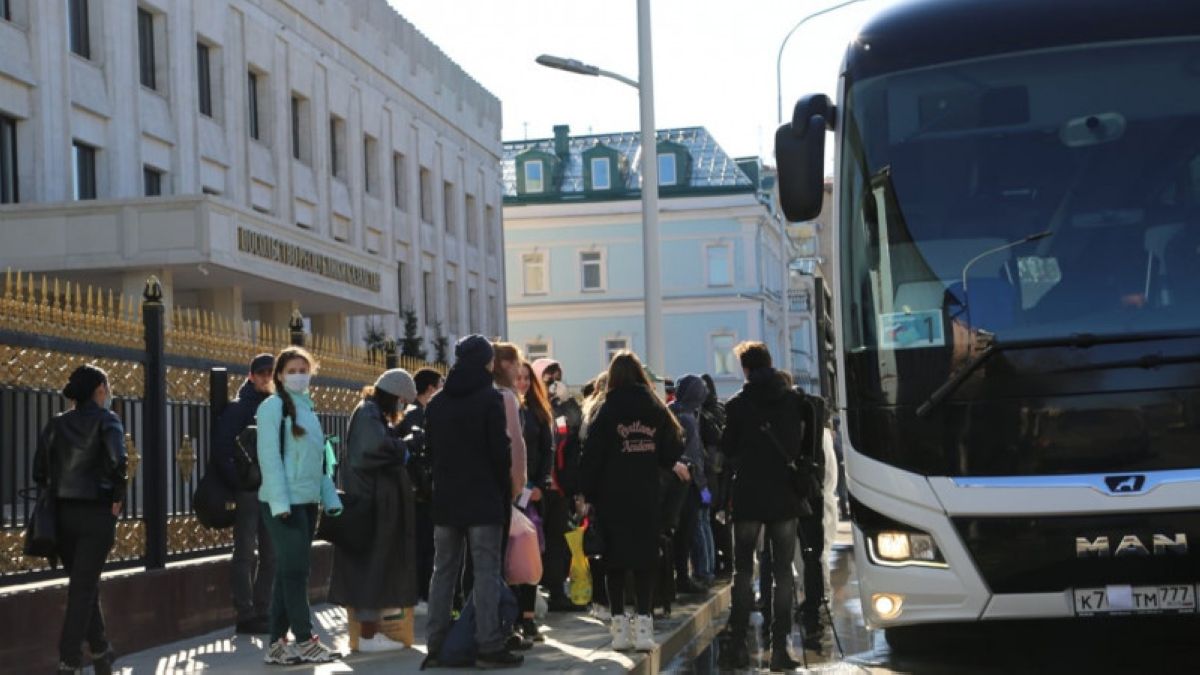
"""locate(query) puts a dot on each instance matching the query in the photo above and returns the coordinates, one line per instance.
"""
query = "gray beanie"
(398, 382)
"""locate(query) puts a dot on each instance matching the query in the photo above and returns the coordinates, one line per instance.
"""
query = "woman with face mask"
(296, 481)
(81, 460)
(372, 468)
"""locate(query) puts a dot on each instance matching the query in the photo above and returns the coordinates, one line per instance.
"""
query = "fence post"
(154, 427)
(218, 397)
(391, 359)
(297, 327)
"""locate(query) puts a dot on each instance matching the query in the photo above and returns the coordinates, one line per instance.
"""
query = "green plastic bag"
(580, 579)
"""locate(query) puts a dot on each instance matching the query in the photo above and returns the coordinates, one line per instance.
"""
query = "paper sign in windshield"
(911, 330)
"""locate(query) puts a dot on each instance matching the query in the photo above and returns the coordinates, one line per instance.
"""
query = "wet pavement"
(1143, 645)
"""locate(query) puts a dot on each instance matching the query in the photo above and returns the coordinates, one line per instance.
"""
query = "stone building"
(256, 155)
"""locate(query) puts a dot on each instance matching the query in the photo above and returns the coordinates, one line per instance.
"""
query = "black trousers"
(424, 544)
(556, 561)
(687, 528)
(643, 589)
(86, 531)
(782, 535)
(811, 532)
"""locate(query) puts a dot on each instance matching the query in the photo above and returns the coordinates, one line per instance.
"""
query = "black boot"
(102, 663)
(734, 653)
(781, 661)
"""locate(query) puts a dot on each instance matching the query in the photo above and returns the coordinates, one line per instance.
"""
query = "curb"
(678, 640)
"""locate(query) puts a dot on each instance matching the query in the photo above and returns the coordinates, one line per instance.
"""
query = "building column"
(331, 325)
(226, 302)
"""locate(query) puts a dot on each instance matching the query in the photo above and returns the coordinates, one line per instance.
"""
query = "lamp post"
(652, 282)
(779, 59)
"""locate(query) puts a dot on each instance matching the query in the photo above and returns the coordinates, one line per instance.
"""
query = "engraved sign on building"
(292, 255)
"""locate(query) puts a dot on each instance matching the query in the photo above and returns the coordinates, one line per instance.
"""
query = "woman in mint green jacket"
(296, 480)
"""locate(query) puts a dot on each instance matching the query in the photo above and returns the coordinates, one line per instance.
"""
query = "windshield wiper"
(1080, 340)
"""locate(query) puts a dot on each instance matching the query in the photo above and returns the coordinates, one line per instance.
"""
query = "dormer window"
(666, 170)
(601, 173)
(534, 177)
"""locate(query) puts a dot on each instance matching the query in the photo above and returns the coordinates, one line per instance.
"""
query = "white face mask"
(297, 383)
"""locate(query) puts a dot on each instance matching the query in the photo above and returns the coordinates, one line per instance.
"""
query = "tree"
(375, 338)
(412, 345)
(441, 344)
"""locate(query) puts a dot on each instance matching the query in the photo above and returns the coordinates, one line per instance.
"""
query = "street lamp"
(779, 59)
(655, 358)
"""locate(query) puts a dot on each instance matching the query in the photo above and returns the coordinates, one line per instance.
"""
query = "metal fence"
(45, 335)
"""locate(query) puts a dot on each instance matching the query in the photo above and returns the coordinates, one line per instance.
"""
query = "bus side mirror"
(800, 154)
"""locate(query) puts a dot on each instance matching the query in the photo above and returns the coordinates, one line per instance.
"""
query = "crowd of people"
(436, 476)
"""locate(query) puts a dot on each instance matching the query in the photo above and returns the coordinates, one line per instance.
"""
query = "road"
(1161, 645)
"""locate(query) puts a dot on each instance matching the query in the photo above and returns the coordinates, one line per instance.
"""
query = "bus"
(1017, 291)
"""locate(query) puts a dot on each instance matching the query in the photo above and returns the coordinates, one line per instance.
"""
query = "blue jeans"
(448, 545)
(704, 551)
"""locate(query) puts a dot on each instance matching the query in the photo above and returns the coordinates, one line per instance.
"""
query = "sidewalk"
(575, 643)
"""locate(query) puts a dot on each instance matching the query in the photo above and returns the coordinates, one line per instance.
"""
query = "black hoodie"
(762, 489)
(467, 437)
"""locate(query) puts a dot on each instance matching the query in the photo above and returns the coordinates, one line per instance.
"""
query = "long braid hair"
(281, 362)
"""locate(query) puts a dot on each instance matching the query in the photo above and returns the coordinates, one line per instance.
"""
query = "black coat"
(236, 416)
(539, 448)
(467, 436)
(762, 489)
(81, 453)
(385, 576)
(632, 438)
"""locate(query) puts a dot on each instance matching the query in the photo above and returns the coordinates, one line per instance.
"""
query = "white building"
(255, 155)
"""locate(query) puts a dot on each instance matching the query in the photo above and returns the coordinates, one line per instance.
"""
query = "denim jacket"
(300, 476)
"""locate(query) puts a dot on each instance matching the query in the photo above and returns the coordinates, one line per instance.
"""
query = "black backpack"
(245, 457)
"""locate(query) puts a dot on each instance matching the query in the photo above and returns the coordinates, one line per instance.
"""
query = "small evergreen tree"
(412, 345)
(375, 339)
(441, 344)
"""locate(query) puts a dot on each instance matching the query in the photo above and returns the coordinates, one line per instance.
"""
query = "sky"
(714, 60)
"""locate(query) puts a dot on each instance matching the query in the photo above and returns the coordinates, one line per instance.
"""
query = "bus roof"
(928, 32)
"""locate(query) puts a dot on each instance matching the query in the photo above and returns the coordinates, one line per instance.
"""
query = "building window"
(370, 162)
(146, 48)
(591, 270)
(536, 273)
(84, 167)
(470, 206)
(448, 205)
(613, 346)
(601, 174)
(204, 79)
(451, 303)
(537, 350)
(473, 309)
(725, 364)
(427, 296)
(719, 263)
(254, 119)
(399, 182)
(666, 169)
(494, 316)
(8, 161)
(300, 129)
(533, 176)
(79, 30)
(337, 147)
(426, 196)
(5, 10)
(151, 181)
(490, 227)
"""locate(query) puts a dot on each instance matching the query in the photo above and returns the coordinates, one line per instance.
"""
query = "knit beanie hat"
(397, 382)
(473, 351)
(83, 382)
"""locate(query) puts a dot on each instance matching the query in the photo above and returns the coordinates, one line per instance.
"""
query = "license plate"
(1166, 599)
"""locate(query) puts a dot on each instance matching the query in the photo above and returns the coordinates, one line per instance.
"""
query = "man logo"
(1131, 545)
(1124, 484)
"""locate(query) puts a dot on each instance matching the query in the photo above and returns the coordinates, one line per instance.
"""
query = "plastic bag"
(580, 579)
(523, 563)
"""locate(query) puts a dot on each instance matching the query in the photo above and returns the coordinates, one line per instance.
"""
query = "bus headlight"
(895, 548)
(887, 606)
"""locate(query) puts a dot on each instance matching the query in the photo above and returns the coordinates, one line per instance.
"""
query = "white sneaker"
(314, 651)
(379, 643)
(601, 612)
(622, 640)
(281, 653)
(643, 633)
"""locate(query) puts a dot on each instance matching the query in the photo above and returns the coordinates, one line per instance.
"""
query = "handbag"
(214, 502)
(353, 530)
(41, 526)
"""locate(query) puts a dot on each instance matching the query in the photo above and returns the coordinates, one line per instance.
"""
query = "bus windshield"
(1029, 195)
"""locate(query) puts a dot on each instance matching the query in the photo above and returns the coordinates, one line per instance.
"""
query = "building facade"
(811, 324)
(572, 219)
(257, 155)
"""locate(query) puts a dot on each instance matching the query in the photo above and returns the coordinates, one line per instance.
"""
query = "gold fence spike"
(108, 313)
(8, 283)
(77, 305)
